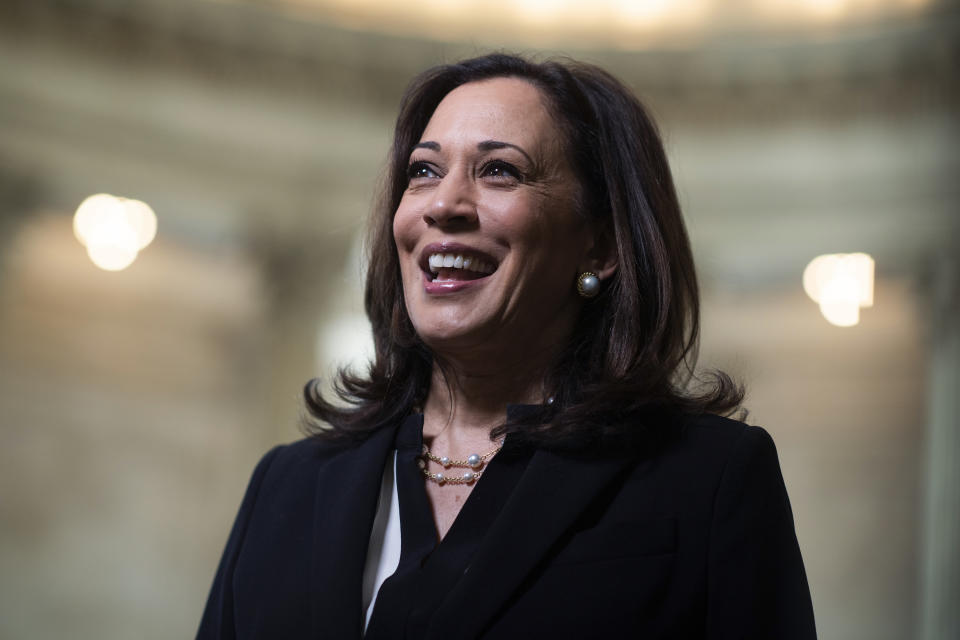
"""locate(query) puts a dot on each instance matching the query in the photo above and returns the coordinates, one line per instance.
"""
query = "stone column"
(940, 570)
(302, 277)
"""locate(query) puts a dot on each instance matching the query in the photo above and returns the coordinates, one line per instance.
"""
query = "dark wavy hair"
(630, 360)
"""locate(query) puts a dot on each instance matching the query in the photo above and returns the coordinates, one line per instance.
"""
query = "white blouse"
(383, 553)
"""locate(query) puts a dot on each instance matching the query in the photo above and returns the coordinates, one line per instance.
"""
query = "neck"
(469, 403)
(473, 382)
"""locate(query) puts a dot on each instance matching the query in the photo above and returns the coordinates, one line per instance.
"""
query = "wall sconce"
(841, 283)
(114, 229)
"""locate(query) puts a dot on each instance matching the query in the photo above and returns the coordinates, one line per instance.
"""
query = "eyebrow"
(486, 145)
(433, 146)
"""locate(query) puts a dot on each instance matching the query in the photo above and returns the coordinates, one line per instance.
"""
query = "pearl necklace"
(474, 465)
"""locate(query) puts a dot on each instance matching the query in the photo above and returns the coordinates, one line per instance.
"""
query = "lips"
(455, 263)
(438, 261)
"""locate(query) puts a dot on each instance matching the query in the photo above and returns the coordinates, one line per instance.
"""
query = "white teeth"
(438, 261)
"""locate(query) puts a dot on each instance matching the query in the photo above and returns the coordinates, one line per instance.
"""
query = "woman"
(524, 455)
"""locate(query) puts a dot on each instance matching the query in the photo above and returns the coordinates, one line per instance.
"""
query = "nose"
(454, 202)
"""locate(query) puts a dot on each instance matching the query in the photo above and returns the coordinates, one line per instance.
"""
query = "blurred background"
(134, 403)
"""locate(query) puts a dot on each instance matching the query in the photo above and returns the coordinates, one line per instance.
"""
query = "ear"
(601, 256)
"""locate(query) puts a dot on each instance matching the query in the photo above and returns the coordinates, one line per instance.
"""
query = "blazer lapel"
(553, 491)
(348, 487)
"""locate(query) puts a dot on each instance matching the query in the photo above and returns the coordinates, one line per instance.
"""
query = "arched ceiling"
(629, 25)
(270, 119)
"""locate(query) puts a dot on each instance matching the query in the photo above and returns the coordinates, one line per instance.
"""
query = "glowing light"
(826, 8)
(114, 229)
(841, 283)
(632, 24)
(650, 11)
(143, 220)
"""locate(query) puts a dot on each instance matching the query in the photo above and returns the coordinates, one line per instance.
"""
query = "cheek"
(552, 234)
(405, 238)
(403, 229)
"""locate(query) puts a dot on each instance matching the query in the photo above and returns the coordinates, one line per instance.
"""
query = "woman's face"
(489, 241)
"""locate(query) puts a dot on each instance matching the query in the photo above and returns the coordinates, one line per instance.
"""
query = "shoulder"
(712, 437)
(301, 460)
(745, 458)
(736, 443)
(720, 436)
(736, 463)
(713, 428)
(289, 464)
(696, 456)
(309, 450)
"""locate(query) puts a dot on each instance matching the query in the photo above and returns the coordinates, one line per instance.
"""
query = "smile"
(450, 263)
(457, 266)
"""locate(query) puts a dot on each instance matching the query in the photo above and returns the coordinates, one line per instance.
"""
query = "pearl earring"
(588, 284)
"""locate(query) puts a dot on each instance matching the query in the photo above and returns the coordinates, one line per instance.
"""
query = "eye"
(420, 169)
(500, 170)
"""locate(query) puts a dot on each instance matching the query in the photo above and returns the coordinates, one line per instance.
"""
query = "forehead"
(505, 109)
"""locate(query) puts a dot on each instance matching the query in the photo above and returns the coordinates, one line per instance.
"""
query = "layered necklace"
(474, 465)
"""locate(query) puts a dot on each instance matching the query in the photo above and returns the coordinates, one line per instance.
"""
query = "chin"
(444, 337)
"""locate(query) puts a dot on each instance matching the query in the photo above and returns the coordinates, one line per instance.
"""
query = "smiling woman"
(525, 454)
(490, 184)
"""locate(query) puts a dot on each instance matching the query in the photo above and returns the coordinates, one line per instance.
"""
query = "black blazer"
(696, 541)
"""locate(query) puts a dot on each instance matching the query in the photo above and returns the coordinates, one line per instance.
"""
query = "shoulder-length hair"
(630, 359)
